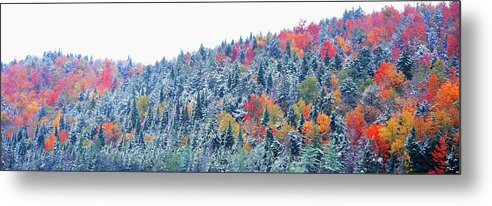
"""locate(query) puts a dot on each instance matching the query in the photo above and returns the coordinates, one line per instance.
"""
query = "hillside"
(365, 93)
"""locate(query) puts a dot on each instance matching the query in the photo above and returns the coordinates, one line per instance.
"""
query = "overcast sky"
(147, 32)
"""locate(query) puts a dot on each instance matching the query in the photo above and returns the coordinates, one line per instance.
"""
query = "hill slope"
(366, 93)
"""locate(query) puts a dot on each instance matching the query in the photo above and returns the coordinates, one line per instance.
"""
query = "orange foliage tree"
(49, 142)
(111, 131)
(355, 123)
(388, 78)
(323, 123)
(63, 136)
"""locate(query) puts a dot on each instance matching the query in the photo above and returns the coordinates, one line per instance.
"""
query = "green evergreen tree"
(101, 141)
(269, 83)
(185, 117)
(405, 64)
(338, 61)
(261, 76)
(287, 49)
(304, 68)
(266, 117)
(301, 122)
(291, 116)
(135, 117)
(339, 142)
(311, 156)
(420, 154)
(149, 119)
(161, 95)
(295, 145)
(228, 137)
(367, 160)
(331, 163)
(164, 119)
(349, 92)
(198, 115)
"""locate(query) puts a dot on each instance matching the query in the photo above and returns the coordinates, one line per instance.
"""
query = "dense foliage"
(365, 93)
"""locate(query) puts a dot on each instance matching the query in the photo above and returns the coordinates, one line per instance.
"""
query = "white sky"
(147, 32)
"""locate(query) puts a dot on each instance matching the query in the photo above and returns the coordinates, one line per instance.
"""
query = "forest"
(364, 93)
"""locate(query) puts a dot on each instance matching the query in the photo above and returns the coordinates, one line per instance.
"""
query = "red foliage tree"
(220, 58)
(52, 97)
(249, 54)
(314, 30)
(433, 85)
(453, 46)
(355, 124)
(439, 157)
(373, 132)
(235, 52)
(328, 48)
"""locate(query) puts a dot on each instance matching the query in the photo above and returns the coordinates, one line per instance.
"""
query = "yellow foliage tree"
(56, 121)
(142, 104)
(396, 130)
(284, 130)
(299, 108)
(223, 119)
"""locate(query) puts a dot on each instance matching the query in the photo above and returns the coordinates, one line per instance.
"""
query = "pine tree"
(337, 61)
(367, 160)
(295, 145)
(415, 152)
(235, 76)
(287, 49)
(185, 117)
(339, 142)
(362, 66)
(212, 137)
(268, 139)
(271, 149)
(149, 119)
(157, 120)
(311, 156)
(228, 137)
(62, 122)
(135, 117)
(419, 153)
(198, 115)
(161, 95)
(266, 117)
(239, 141)
(349, 92)
(301, 122)
(185, 162)
(291, 116)
(101, 141)
(164, 120)
(326, 61)
(304, 69)
(331, 162)
(269, 83)
(261, 76)
(56, 132)
(405, 64)
(240, 161)
(380, 55)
